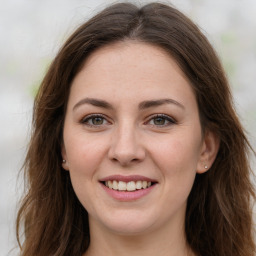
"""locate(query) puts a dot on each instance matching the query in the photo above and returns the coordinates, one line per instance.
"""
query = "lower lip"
(126, 196)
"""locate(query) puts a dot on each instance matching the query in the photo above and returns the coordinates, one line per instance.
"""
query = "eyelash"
(86, 120)
(89, 118)
(167, 118)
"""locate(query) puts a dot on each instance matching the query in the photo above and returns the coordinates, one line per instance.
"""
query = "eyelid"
(170, 119)
(85, 119)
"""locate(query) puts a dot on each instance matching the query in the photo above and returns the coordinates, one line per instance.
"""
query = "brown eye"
(161, 120)
(94, 120)
(97, 120)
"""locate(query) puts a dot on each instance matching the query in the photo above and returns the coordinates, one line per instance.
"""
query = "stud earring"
(64, 161)
(205, 167)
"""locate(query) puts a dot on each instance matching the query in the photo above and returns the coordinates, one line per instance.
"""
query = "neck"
(162, 242)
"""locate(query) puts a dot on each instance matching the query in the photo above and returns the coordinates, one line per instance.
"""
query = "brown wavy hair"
(219, 208)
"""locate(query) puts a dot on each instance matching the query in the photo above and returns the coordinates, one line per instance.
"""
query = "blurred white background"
(32, 31)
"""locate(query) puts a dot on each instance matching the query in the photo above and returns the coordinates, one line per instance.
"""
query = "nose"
(126, 146)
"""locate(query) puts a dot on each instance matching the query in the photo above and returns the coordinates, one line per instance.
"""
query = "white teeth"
(121, 185)
(138, 185)
(131, 186)
(144, 184)
(115, 185)
(127, 186)
(110, 184)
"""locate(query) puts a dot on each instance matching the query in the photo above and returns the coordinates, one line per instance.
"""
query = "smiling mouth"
(128, 186)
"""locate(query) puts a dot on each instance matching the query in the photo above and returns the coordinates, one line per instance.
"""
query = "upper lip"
(127, 178)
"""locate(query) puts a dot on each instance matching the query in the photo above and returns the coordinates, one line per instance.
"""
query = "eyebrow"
(94, 102)
(143, 105)
(155, 103)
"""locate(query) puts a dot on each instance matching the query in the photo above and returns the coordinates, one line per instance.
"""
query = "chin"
(128, 229)
(129, 224)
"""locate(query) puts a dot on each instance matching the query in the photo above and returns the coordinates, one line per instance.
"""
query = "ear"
(64, 158)
(209, 150)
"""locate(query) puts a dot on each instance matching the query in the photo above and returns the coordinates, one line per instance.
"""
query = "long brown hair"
(219, 208)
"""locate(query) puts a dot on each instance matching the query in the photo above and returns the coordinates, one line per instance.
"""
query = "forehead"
(131, 68)
(133, 54)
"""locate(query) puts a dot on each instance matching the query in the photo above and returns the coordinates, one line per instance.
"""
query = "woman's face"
(132, 139)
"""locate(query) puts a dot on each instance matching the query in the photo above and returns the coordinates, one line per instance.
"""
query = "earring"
(64, 161)
(205, 167)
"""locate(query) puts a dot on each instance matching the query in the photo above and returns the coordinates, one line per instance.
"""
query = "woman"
(136, 148)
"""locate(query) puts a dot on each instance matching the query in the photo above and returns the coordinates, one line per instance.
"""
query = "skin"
(128, 139)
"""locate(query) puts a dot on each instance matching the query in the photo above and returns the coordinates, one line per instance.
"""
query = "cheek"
(84, 155)
(178, 153)
(84, 152)
(176, 157)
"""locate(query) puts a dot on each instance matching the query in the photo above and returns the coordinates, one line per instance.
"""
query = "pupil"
(159, 121)
(97, 120)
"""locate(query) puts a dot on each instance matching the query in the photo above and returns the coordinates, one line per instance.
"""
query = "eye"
(95, 120)
(161, 120)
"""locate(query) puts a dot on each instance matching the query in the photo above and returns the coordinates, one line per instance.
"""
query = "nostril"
(135, 160)
(125, 161)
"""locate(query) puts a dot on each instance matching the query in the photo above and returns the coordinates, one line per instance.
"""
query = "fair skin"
(132, 117)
